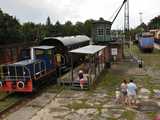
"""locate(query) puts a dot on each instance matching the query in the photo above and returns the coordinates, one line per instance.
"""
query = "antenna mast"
(141, 20)
(126, 19)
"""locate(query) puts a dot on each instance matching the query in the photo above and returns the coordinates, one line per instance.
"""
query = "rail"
(16, 101)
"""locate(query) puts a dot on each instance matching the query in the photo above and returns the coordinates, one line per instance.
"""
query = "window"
(100, 31)
(39, 52)
(108, 30)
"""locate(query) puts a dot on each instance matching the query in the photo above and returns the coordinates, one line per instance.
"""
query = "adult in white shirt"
(131, 91)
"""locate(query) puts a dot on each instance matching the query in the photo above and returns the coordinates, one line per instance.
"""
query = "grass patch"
(150, 59)
(79, 105)
(8, 102)
(110, 81)
(151, 115)
(111, 119)
(83, 105)
(53, 88)
(129, 115)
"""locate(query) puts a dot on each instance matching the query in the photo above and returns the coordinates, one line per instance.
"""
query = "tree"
(9, 29)
(79, 28)
(48, 22)
(68, 28)
(59, 31)
(154, 23)
(50, 31)
(88, 27)
(29, 31)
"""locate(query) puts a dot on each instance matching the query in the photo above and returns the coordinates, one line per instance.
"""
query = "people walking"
(124, 97)
(132, 92)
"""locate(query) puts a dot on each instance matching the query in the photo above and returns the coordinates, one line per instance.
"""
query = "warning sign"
(114, 51)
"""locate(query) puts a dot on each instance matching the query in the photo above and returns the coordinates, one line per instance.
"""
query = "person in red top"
(81, 78)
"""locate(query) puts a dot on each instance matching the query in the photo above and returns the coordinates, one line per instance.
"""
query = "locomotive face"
(24, 75)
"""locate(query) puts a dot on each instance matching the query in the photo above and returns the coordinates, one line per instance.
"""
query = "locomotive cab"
(26, 75)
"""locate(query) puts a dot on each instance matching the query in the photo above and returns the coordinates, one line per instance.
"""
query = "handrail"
(25, 71)
(16, 78)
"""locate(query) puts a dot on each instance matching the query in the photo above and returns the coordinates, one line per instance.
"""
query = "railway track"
(13, 101)
(10, 101)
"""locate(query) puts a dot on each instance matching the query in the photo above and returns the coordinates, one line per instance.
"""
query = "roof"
(102, 21)
(69, 40)
(44, 47)
(90, 49)
(24, 62)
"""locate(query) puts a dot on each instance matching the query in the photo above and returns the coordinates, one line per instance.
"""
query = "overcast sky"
(79, 10)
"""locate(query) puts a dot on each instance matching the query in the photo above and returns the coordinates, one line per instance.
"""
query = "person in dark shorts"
(124, 97)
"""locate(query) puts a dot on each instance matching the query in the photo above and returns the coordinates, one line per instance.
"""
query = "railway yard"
(62, 103)
(66, 69)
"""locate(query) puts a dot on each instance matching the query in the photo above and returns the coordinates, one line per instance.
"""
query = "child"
(124, 97)
(81, 78)
(118, 96)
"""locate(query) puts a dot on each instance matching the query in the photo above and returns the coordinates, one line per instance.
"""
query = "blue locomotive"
(146, 43)
(27, 75)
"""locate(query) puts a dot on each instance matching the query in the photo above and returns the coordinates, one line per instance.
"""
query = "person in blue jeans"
(132, 92)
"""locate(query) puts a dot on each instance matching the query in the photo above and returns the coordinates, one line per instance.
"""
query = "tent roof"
(90, 49)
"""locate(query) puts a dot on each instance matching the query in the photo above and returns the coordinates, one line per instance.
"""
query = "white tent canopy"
(90, 49)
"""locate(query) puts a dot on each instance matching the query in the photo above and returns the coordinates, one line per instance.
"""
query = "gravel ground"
(96, 104)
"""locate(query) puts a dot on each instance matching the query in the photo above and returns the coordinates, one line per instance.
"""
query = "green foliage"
(87, 27)
(154, 23)
(79, 28)
(138, 30)
(79, 105)
(29, 31)
(110, 81)
(48, 22)
(12, 31)
(68, 29)
(49, 28)
(9, 29)
(128, 115)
